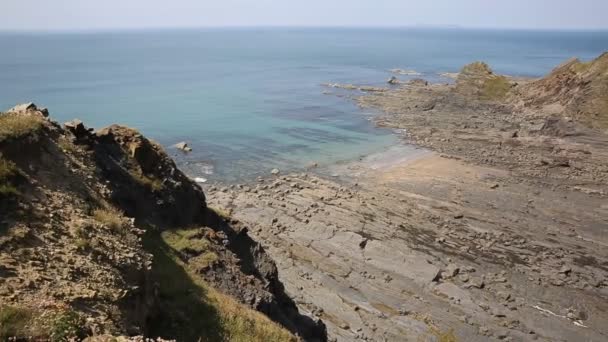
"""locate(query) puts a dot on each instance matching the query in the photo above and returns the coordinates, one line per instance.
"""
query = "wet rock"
(183, 146)
(275, 171)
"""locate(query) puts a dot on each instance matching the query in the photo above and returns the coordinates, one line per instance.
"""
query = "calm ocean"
(249, 100)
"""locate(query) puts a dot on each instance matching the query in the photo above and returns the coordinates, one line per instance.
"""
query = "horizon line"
(214, 27)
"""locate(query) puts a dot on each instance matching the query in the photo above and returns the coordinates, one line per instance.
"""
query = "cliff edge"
(102, 235)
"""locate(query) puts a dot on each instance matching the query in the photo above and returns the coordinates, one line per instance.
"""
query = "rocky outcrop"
(28, 109)
(575, 89)
(74, 236)
(146, 183)
(477, 80)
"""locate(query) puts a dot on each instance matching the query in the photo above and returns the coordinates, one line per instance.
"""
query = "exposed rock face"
(161, 191)
(55, 254)
(66, 240)
(29, 109)
(493, 237)
(576, 89)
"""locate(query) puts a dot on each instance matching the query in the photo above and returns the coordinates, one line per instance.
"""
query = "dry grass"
(221, 212)
(110, 217)
(27, 324)
(14, 322)
(13, 126)
(8, 171)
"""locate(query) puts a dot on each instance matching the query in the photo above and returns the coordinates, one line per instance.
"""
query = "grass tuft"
(186, 241)
(151, 183)
(112, 218)
(14, 126)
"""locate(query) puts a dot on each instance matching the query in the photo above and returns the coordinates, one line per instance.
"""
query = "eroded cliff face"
(575, 89)
(88, 231)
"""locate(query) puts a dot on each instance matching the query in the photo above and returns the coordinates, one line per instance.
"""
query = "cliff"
(102, 235)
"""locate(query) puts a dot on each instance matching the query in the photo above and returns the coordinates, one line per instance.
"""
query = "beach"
(494, 228)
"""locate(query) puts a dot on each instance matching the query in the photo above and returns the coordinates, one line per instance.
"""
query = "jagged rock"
(77, 128)
(29, 108)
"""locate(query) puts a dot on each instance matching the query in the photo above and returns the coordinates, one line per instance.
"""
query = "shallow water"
(249, 100)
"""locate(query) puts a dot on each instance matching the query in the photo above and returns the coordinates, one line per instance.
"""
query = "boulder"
(77, 128)
(392, 80)
(275, 171)
(29, 108)
(183, 146)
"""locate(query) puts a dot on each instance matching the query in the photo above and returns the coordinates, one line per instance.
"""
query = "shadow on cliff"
(254, 261)
(148, 186)
(184, 312)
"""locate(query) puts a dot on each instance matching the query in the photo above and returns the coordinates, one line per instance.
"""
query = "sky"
(134, 14)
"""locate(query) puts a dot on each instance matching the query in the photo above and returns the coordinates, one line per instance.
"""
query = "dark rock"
(77, 128)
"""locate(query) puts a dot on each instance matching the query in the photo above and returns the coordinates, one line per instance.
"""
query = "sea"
(248, 100)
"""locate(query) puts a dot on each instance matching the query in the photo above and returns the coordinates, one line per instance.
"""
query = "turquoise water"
(249, 100)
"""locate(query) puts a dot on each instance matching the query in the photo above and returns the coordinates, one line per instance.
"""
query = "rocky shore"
(490, 224)
(498, 233)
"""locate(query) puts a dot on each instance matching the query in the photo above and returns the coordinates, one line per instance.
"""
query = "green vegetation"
(495, 88)
(8, 171)
(187, 240)
(15, 126)
(191, 310)
(22, 323)
(13, 322)
(476, 68)
(151, 183)
(111, 217)
(67, 326)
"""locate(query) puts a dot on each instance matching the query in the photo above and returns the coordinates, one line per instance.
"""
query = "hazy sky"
(112, 14)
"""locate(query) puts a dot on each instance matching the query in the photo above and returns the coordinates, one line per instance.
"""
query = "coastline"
(501, 223)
